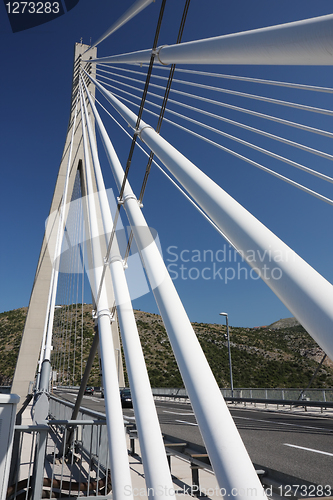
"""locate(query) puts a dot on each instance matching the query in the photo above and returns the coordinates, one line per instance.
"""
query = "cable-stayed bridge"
(86, 233)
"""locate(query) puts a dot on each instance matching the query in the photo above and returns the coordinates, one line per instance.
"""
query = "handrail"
(285, 402)
(278, 402)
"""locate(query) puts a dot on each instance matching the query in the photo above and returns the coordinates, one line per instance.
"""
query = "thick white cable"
(225, 448)
(170, 178)
(306, 42)
(237, 139)
(135, 9)
(120, 473)
(240, 109)
(156, 468)
(305, 292)
(289, 85)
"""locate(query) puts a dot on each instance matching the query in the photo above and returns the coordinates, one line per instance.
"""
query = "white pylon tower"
(37, 316)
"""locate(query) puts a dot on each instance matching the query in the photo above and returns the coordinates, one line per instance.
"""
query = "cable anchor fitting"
(158, 55)
(106, 312)
(141, 129)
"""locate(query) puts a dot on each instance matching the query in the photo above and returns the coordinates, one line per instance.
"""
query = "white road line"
(283, 423)
(309, 449)
(184, 422)
(176, 413)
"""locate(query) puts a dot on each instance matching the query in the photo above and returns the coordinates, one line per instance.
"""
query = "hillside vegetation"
(279, 355)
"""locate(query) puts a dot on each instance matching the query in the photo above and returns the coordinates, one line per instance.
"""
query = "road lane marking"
(309, 449)
(177, 413)
(284, 423)
(184, 422)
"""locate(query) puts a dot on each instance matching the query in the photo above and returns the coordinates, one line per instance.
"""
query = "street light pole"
(229, 352)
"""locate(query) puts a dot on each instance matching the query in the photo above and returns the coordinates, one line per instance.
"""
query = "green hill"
(279, 355)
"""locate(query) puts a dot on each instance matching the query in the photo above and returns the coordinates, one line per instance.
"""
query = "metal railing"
(45, 467)
(319, 395)
(314, 395)
(315, 398)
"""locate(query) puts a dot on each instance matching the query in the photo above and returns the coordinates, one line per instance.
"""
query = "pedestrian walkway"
(181, 476)
(61, 472)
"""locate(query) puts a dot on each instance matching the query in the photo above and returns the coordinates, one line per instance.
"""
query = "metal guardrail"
(280, 394)
(283, 397)
(194, 454)
(319, 395)
(283, 402)
(46, 472)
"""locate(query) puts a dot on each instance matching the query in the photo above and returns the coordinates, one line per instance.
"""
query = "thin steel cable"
(240, 109)
(115, 222)
(145, 90)
(246, 143)
(71, 221)
(71, 303)
(129, 160)
(65, 326)
(298, 86)
(164, 103)
(77, 265)
(252, 162)
(258, 165)
(256, 97)
(170, 179)
(82, 278)
(317, 152)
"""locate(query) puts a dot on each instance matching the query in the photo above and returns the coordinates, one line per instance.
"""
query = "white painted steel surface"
(120, 473)
(8, 403)
(48, 328)
(157, 472)
(306, 42)
(307, 295)
(231, 463)
(136, 8)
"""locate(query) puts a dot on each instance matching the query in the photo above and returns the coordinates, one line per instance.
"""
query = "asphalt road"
(298, 445)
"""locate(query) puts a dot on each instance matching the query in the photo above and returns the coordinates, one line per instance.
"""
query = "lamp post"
(229, 352)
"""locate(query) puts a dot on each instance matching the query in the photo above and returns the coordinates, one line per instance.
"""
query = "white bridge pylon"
(304, 291)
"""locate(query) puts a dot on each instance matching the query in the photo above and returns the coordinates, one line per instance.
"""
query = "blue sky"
(35, 99)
